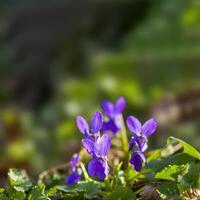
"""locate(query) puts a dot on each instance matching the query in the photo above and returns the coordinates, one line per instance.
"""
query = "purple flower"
(140, 139)
(98, 149)
(98, 167)
(137, 158)
(113, 112)
(74, 161)
(141, 132)
(95, 125)
(73, 177)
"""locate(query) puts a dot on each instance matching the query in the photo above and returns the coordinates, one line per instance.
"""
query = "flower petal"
(103, 145)
(72, 178)
(92, 167)
(120, 105)
(110, 126)
(142, 143)
(118, 120)
(131, 143)
(137, 158)
(89, 146)
(74, 161)
(134, 125)
(97, 122)
(82, 125)
(108, 108)
(149, 127)
(102, 170)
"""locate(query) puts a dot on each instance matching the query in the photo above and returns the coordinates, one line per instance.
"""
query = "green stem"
(124, 139)
(108, 184)
(85, 174)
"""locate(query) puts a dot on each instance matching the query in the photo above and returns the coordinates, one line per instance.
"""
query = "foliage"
(172, 179)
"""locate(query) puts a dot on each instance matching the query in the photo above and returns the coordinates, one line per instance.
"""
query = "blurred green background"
(152, 59)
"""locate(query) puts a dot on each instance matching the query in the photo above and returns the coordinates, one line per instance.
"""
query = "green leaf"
(19, 180)
(52, 192)
(121, 193)
(68, 192)
(168, 190)
(130, 173)
(38, 193)
(187, 148)
(72, 196)
(154, 155)
(62, 188)
(172, 172)
(177, 159)
(91, 189)
(15, 195)
(191, 178)
(3, 197)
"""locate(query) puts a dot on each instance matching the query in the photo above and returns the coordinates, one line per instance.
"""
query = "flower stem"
(124, 140)
(85, 174)
(124, 137)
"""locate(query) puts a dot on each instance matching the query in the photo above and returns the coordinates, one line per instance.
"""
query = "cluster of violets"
(97, 140)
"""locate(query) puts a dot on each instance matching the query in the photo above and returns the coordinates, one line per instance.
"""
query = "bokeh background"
(61, 58)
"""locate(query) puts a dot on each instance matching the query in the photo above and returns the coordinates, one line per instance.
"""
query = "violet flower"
(141, 132)
(95, 125)
(98, 149)
(137, 158)
(140, 139)
(74, 161)
(114, 113)
(74, 176)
